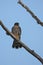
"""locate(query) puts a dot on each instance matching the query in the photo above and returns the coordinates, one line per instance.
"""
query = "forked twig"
(23, 45)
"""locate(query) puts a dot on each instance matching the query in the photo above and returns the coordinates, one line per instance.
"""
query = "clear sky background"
(32, 33)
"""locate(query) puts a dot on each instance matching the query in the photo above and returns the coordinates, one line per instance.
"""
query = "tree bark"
(32, 14)
(23, 45)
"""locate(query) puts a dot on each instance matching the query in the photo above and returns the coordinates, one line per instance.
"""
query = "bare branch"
(32, 14)
(24, 46)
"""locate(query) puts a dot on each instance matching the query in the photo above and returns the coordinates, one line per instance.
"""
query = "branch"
(32, 14)
(23, 45)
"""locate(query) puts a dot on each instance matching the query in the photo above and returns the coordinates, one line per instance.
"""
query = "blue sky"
(32, 33)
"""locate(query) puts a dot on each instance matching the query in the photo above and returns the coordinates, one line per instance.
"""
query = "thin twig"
(32, 14)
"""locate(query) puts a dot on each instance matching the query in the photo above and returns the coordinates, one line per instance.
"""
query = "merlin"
(16, 30)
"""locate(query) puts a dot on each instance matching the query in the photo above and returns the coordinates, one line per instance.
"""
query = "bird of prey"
(16, 30)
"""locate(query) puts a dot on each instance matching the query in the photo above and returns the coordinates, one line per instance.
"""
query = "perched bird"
(16, 30)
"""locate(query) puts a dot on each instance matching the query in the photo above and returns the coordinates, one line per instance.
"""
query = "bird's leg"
(0, 22)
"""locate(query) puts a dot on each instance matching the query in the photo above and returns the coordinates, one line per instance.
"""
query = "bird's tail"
(16, 44)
